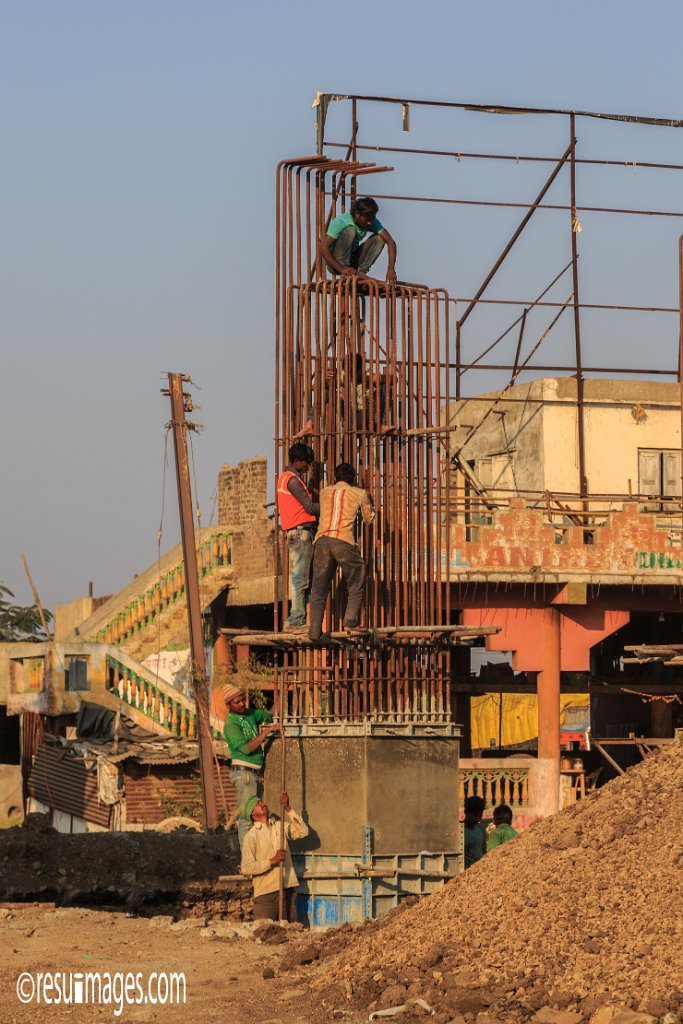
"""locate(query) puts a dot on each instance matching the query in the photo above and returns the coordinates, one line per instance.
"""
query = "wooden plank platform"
(383, 636)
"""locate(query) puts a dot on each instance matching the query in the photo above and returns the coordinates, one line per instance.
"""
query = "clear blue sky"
(137, 211)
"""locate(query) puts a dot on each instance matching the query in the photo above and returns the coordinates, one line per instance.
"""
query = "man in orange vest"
(298, 519)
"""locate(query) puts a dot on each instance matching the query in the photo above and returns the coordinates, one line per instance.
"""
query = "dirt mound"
(38, 863)
(585, 908)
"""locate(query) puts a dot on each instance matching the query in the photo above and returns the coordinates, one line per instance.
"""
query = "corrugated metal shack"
(98, 785)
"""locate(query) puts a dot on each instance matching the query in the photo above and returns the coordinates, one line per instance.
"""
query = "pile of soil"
(584, 909)
(125, 868)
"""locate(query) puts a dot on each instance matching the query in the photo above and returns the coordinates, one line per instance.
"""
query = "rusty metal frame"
(364, 373)
(570, 158)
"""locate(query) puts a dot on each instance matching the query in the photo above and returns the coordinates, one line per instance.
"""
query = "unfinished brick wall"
(242, 492)
(155, 792)
(242, 497)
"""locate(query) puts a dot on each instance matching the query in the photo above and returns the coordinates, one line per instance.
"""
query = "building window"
(77, 675)
(659, 474)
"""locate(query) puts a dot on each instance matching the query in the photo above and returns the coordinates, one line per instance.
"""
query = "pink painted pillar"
(548, 688)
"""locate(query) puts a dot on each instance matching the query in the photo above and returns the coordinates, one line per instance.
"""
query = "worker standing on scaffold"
(335, 546)
(298, 519)
(343, 248)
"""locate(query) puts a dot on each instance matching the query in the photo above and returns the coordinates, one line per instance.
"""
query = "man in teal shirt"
(474, 833)
(246, 731)
(343, 248)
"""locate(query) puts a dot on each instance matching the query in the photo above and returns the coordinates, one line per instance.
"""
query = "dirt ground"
(579, 920)
(223, 971)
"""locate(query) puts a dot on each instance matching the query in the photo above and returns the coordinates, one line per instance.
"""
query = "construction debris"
(580, 914)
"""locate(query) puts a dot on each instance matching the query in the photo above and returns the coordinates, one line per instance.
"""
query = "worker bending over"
(343, 248)
(298, 518)
(262, 856)
(335, 545)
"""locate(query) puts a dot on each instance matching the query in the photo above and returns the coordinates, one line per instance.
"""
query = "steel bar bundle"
(362, 376)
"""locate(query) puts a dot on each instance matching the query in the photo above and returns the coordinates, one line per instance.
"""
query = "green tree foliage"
(19, 622)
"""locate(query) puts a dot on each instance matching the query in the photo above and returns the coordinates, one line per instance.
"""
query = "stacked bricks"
(242, 497)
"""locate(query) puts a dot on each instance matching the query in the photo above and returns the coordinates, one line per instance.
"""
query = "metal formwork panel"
(336, 892)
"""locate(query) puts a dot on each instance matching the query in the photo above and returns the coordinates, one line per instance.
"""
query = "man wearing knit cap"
(246, 731)
(262, 856)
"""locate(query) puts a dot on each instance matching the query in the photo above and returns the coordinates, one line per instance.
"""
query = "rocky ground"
(579, 914)
(229, 970)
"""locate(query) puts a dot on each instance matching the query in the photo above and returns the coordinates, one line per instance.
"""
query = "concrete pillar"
(661, 718)
(461, 704)
(463, 716)
(548, 686)
(222, 658)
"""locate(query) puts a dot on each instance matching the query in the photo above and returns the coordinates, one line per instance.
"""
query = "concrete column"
(461, 705)
(222, 656)
(548, 687)
(661, 719)
(463, 717)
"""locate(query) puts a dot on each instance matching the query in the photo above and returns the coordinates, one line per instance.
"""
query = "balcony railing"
(496, 786)
(157, 700)
(563, 509)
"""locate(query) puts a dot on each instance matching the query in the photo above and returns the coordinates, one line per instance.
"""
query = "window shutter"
(649, 474)
(671, 473)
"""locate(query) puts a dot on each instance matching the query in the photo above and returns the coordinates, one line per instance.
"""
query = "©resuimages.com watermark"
(118, 989)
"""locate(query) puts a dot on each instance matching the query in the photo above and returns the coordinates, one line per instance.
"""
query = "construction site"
(519, 643)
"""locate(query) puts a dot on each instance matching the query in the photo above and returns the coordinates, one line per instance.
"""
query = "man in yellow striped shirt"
(335, 545)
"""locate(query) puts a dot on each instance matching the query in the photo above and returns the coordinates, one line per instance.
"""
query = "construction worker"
(335, 545)
(298, 519)
(246, 731)
(262, 856)
(342, 246)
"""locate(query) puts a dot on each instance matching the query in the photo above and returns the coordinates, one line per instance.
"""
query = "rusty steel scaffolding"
(362, 373)
(465, 341)
(367, 373)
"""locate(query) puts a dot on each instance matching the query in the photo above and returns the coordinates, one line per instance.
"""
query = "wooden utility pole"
(194, 612)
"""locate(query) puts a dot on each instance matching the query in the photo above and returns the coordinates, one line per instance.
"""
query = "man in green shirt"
(246, 731)
(342, 246)
(502, 832)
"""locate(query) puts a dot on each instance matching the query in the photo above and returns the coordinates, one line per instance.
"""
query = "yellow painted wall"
(544, 437)
(613, 438)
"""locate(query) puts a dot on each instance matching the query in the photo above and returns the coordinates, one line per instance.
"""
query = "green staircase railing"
(215, 551)
(159, 701)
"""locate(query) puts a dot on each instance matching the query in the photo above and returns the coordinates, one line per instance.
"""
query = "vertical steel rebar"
(583, 483)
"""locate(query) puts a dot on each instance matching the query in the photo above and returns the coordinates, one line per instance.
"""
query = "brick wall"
(150, 791)
(242, 497)
(242, 492)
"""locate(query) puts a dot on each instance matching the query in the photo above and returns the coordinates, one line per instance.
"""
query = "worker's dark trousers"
(329, 553)
(363, 256)
(267, 906)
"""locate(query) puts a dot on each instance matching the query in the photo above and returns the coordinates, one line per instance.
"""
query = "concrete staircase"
(151, 611)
